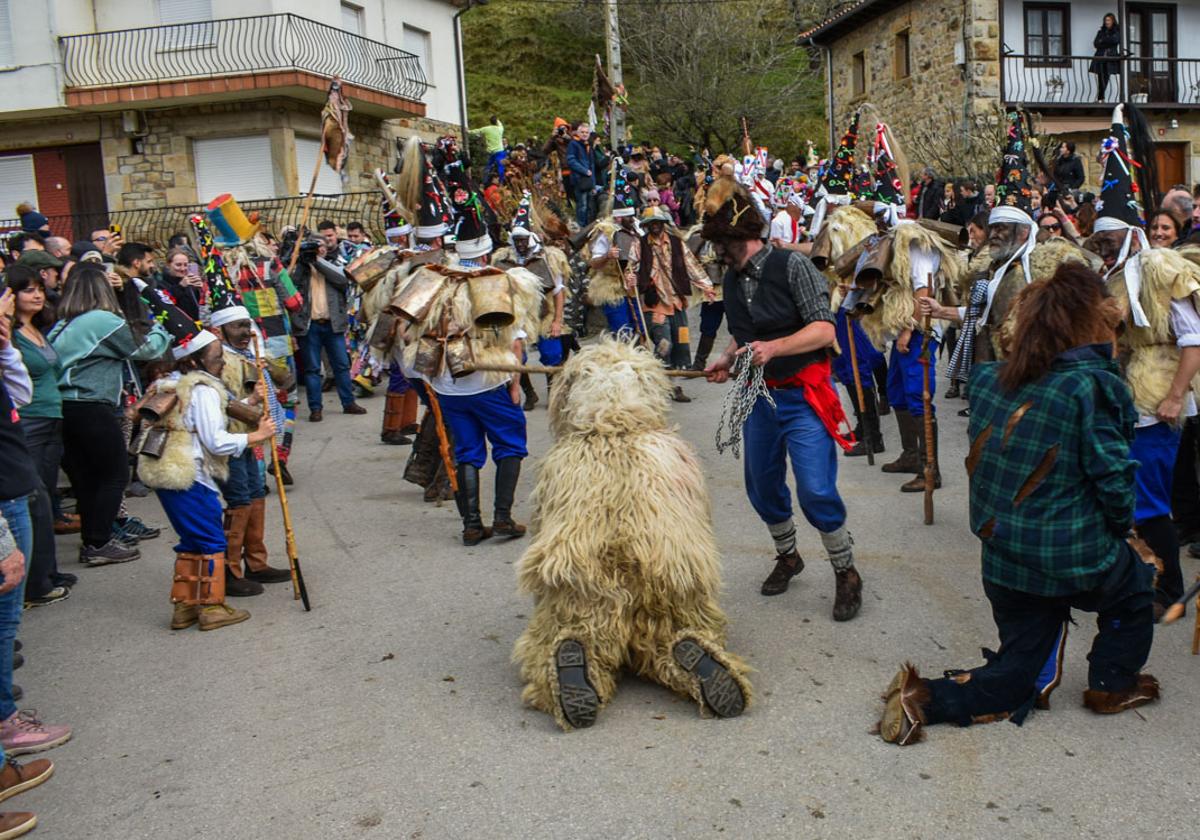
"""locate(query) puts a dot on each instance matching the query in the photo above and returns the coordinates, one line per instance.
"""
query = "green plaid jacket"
(1051, 480)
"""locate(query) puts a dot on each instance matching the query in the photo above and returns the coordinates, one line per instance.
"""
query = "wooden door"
(1171, 159)
(86, 191)
(1150, 32)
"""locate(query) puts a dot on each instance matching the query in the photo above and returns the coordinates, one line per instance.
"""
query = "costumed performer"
(609, 246)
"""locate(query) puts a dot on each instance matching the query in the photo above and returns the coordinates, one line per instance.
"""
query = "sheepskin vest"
(175, 469)
(771, 314)
(606, 284)
(238, 371)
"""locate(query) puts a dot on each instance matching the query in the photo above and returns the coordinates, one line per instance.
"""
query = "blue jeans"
(906, 377)
(497, 160)
(245, 483)
(583, 207)
(791, 429)
(322, 337)
(711, 315)
(16, 514)
(491, 417)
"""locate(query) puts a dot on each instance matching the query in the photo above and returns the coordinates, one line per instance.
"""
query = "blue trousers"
(322, 337)
(550, 350)
(1154, 448)
(906, 376)
(620, 320)
(196, 516)
(480, 419)
(583, 207)
(397, 382)
(20, 524)
(791, 429)
(245, 483)
(711, 315)
(868, 357)
(496, 159)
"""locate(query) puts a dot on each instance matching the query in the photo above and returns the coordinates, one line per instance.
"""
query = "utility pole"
(612, 43)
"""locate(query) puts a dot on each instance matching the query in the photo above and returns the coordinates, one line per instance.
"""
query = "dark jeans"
(244, 484)
(1185, 489)
(95, 460)
(1029, 626)
(43, 437)
(583, 207)
(16, 514)
(322, 337)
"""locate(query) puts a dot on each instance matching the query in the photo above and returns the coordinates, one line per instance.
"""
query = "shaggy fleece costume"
(623, 558)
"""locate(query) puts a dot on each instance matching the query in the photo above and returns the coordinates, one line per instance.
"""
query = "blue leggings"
(479, 419)
(1154, 448)
(906, 376)
(791, 429)
(196, 516)
(711, 315)
(620, 322)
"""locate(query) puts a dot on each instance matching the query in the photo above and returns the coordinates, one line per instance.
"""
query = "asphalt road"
(392, 711)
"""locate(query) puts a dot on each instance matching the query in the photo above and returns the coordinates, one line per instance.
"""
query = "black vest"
(772, 314)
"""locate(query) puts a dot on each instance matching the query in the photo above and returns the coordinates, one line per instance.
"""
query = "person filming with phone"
(181, 280)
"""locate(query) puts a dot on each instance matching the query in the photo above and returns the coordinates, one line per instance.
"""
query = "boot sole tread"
(720, 690)
(28, 784)
(579, 701)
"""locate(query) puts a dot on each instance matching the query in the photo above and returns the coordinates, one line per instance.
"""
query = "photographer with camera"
(321, 323)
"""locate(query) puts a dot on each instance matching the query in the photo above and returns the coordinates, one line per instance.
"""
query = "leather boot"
(531, 397)
(237, 520)
(702, 350)
(393, 421)
(439, 489)
(909, 460)
(256, 550)
(467, 500)
(184, 616)
(917, 485)
(408, 412)
(423, 462)
(868, 425)
(508, 470)
(199, 579)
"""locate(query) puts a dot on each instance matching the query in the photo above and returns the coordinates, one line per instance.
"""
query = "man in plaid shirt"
(1052, 501)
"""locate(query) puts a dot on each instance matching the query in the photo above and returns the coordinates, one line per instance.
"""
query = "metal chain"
(748, 385)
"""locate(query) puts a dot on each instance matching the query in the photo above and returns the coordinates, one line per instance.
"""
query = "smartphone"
(114, 229)
(194, 269)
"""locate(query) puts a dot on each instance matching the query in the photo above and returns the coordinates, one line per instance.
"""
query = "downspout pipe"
(458, 66)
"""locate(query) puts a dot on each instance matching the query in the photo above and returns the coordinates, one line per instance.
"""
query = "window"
(858, 74)
(184, 11)
(189, 24)
(352, 19)
(902, 56)
(17, 184)
(328, 182)
(1046, 28)
(6, 44)
(241, 166)
(416, 41)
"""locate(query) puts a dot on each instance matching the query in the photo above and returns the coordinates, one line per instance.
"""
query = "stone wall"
(954, 67)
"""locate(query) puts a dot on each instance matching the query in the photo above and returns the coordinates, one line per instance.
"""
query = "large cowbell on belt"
(869, 274)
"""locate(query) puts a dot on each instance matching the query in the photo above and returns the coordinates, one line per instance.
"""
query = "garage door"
(328, 181)
(241, 166)
(17, 184)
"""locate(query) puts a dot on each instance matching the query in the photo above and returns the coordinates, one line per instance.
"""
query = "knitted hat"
(1012, 184)
(33, 222)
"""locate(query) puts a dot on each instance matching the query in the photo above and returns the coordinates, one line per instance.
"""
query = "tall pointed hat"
(471, 239)
(624, 195)
(223, 298)
(887, 186)
(1012, 182)
(417, 187)
(839, 175)
(1119, 190)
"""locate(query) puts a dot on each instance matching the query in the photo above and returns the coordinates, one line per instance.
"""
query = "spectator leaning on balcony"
(31, 220)
(1068, 168)
(1108, 46)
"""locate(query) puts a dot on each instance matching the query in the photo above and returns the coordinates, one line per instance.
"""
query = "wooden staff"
(1176, 610)
(308, 199)
(299, 591)
(927, 399)
(858, 390)
(443, 441)
(676, 374)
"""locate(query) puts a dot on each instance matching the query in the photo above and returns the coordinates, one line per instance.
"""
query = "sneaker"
(353, 408)
(16, 824)
(58, 593)
(124, 537)
(137, 528)
(25, 734)
(17, 778)
(137, 490)
(216, 616)
(111, 552)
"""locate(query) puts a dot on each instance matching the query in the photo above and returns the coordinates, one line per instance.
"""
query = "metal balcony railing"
(235, 47)
(1050, 81)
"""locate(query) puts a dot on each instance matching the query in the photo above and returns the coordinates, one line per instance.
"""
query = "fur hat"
(730, 213)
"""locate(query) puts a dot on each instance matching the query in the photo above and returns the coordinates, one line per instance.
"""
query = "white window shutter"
(328, 182)
(240, 166)
(17, 184)
(184, 11)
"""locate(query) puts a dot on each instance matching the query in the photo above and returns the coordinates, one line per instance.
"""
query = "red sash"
(822, 398)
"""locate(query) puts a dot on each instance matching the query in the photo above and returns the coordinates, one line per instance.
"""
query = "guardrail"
(1066, 80)
(238, 46)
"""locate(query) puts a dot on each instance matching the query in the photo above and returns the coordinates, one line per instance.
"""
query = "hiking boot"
(16, 823)
(184, 616)
(847, 600)
(576, 696)
(917, 485)
(903, 711)
(678, 396)
(1113, 702)
(508, 470)
(137, 528)
(283, 473)
(25, 734)
(353, 408)
(111, 552)
(58, 593)
(242, 587)
(721, 692)
(787, 566)
(267, 575)
(17, 778)
(215, 616)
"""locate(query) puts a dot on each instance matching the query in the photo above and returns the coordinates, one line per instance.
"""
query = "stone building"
(121, 105)
(958, 63)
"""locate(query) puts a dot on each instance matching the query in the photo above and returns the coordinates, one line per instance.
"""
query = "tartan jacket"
(1051, 482)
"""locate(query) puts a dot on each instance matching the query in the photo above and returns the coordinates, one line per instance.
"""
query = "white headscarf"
(1006, 215)
(1132, 265)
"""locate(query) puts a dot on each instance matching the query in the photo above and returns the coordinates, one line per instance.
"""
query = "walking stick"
(1176, 610)
(674, 374)
(927, 399)
(858, 390)
(443, 441)
(308, 200)
(299, 591)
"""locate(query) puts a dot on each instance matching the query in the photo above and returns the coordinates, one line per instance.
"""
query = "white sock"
(838, 546)
(784, 535)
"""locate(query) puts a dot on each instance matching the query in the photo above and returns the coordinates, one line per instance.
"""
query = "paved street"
(392, 711)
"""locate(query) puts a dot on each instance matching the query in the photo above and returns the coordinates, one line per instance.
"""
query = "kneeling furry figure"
(623, 564)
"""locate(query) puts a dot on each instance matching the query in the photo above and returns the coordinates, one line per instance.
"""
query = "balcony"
(1054, 82)
(236, 58)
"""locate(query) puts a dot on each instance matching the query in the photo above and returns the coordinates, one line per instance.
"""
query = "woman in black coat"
(1108, 45)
